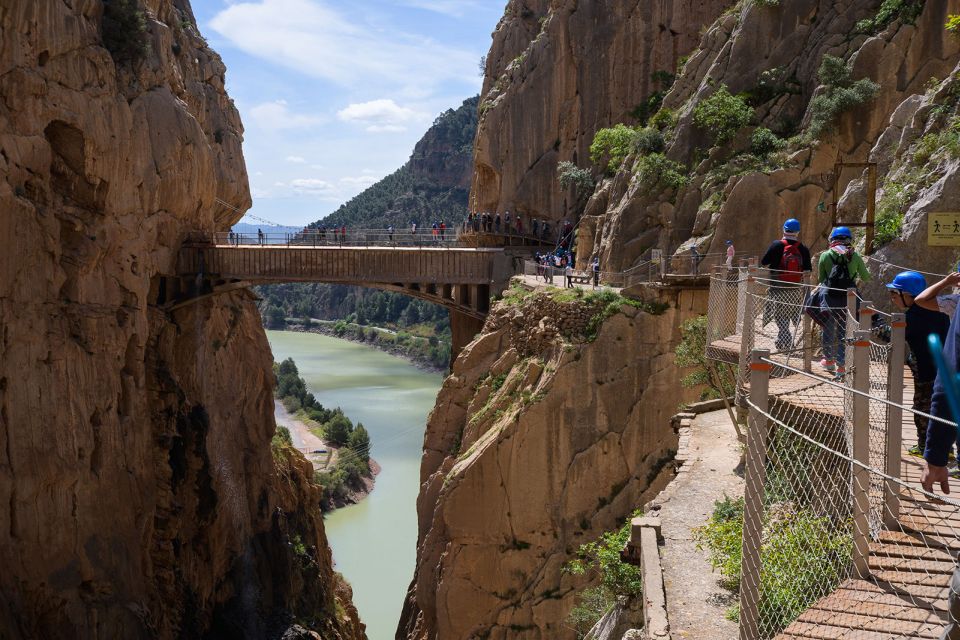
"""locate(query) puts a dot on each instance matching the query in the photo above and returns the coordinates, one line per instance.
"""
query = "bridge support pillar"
(463, 330)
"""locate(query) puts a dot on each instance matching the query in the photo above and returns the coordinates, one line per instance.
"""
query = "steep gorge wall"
(558, 71)
(140, 496)
(540, 440)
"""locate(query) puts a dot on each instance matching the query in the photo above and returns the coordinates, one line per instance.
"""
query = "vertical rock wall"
(540, 441)
(139, 497)
(559, 71)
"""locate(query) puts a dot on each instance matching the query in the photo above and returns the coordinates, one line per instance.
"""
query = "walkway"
(695, 602)
(910, 558)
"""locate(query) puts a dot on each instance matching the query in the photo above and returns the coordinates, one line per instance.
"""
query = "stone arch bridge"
(462, 279)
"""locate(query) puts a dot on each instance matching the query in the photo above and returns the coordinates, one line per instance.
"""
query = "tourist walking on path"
(940, 438)
(921, 322)
(568, 271)
(260, 236)
(839, 268)
(390, 232)
(443, 229)
(731, 252)
(596, 272)
(496, 223)
(787, 259)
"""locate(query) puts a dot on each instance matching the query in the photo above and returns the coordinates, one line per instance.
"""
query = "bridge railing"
(837, 534)
(333, 238)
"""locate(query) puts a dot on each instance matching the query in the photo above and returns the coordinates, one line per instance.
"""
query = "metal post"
(807, 324)
(891, 494)
(866, 315)
(861, 454)
(746, 336)
(755, 476)
(741, 294)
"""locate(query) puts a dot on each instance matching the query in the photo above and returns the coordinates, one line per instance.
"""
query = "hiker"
(731, 252)
(596, 272)
(536, 227)
(443, 229)
(519, 225)
(390, 232)
(838, 270)
(506, 223)
(921, 322)
(787, 259)
(695, 259)
(260, 236)
(496, 223)
(568, 271)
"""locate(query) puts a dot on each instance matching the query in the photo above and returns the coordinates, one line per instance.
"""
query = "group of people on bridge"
(508, 224)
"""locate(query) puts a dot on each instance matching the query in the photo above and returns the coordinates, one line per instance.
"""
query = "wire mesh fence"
(839, 539)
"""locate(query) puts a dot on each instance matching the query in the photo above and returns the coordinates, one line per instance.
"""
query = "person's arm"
(824, 266)
(805, 254)
(860, 268)
(773, 255)
(928, 298)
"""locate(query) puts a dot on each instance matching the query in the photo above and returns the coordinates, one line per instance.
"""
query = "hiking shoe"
(829, 365)
(915, 450)
(841, 370)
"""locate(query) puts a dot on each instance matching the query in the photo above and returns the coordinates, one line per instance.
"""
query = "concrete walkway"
(695, 602)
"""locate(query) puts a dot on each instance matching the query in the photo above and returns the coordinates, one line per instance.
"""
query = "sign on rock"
(943, 229)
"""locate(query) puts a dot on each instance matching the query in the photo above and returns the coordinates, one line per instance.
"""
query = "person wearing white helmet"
(787, 259)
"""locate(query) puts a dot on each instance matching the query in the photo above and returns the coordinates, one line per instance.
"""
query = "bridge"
(436, 269)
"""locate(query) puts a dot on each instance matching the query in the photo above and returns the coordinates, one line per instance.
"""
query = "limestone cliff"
(771, 53)
(540, 440)
(558, 71)
(140, 496)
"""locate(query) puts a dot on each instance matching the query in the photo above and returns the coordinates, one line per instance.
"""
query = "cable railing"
(333, 238)
(838, 537)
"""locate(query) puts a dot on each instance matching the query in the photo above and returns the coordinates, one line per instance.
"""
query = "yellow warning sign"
(943, 229)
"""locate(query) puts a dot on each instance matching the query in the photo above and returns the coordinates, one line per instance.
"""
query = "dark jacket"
(774, 255)
(940, 436)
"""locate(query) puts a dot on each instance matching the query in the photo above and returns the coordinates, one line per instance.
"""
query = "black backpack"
(839, 277)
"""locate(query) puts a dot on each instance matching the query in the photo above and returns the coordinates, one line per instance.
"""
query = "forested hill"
(433, 185)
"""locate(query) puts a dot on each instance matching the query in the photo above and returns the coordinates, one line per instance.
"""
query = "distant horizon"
(332, 100)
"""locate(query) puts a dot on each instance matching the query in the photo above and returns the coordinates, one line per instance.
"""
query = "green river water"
(374, 542)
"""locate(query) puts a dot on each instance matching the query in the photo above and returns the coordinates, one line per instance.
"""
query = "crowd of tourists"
(513, 224)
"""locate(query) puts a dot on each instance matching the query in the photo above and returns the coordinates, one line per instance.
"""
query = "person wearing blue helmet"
(921, 322)
(838, 269)
(787, 259)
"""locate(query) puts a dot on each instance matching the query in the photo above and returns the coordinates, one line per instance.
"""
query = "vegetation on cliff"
(600, 561)
(352, 441)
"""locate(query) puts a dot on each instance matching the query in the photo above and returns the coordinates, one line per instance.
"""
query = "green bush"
(840, 94)
(722, 115)
(649, 140)
(663, 119)
(124, 28)
(803, 557)
(763, 142)
(612, 144)
(570, 175)
(692, 352)
(953, 25)
(767, 3)
(906, 10)
(601, 559)
(281, 437)
(655, 172)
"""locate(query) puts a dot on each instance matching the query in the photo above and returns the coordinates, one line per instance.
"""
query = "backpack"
(791, 263)
(839, 277)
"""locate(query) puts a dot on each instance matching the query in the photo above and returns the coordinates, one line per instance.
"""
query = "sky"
(334, 94)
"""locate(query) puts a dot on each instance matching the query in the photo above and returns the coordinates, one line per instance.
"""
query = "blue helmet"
(840, 232)
(792, 225)
(909, 282)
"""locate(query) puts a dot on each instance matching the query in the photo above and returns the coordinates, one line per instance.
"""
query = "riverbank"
(383, 339)
(322, 456)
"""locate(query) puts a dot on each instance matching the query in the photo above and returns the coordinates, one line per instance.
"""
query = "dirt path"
(303, 439)
(695, 602)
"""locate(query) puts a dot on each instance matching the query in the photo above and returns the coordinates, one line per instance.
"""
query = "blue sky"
(334, 94)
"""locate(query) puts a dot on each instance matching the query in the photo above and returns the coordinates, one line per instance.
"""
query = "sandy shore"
(316, 450)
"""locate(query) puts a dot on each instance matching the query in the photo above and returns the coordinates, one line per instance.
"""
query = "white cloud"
(276, 116)
(454, 8)
(316, 166)
(314, 38)
(358, 181)
(380, 115)
(313, 186)
(259, 193)
(296, 159)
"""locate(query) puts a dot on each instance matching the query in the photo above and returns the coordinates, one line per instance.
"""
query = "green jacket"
(856, 267)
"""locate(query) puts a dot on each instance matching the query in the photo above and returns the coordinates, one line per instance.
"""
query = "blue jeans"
(834, 331)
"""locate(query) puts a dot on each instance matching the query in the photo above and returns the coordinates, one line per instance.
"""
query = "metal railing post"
(891, 494)
(755, 477)
(851, 313)
(807, 326)
(865, 319)
(860, 476)
(741, 294)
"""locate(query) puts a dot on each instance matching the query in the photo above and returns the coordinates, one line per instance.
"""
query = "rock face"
(141, 498)
(540, 440)
(559, 71)
(772, 53)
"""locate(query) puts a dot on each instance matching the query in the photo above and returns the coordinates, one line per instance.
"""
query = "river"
(374, 542)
